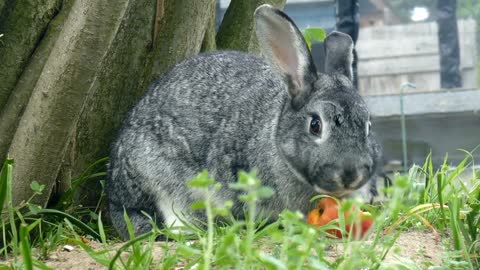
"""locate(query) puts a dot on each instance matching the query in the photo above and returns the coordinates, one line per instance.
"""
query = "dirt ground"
(424, 248)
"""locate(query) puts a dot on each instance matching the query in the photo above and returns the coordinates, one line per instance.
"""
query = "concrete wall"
(441, 122)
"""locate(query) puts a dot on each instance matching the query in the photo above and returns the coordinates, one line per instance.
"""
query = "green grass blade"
(102, 257)
(428, 171)
(90, 168)
(169, 263)
(84, 227)
(76, 183)
(10, 209)
(458, 244)
(101, 229)
(440, 177)
(5, 178)
(126, 246)
(25, 247)
(128, 222)
(458, 170)
(270, 262)
(40, 265)
(4, 240)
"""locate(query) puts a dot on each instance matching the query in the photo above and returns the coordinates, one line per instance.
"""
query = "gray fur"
(336, 60)
(228, 111)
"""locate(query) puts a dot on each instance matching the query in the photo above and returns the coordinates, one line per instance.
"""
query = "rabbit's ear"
(339, 54)
(283, 46)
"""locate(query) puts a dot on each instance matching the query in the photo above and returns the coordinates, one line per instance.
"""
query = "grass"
(444, 200)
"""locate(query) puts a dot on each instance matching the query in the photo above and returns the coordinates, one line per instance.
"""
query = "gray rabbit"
(306, 133)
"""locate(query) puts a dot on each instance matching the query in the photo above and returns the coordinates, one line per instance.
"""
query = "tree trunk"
(209, 37)
(57, 98)
(2, 4)
(128, 70)
(118, 84)
(181, 33)
(236, 31)
(91, 66)
(18, 99)
(24, 21)
(71, 72)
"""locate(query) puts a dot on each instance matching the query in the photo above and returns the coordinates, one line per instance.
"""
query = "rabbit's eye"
(316, 125)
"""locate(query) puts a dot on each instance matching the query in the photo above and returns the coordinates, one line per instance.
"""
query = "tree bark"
(119, 84)
(43, 132)
(208, 43)
(25, 21)
(2, 4)
(80, 72)
(183, 27)
(236, 31)
(130, 66)
(17, 101)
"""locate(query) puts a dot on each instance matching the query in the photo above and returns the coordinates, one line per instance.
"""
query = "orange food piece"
(327, 210)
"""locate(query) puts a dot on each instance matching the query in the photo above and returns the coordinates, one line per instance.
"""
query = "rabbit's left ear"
(285, 49)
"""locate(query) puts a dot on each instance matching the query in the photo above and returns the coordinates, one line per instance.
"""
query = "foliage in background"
(33, 232)
(312, 34)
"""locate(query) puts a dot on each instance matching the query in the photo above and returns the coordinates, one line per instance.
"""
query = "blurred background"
(422, 53)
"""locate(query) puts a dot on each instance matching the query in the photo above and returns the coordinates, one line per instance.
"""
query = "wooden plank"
(425, 82)
(371, 49)
(425, 103)
(405, 31)
(392, 55)
(406, 65)
(384, 85)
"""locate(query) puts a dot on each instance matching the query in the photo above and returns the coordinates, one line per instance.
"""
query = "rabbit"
(305, 133)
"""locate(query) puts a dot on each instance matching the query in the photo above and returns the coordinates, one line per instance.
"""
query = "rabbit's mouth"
(337, 193)
(339, 181)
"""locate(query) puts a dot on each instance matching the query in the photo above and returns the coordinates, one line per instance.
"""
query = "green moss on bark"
(181, 34)
(22, 24)
(236, 30)
(53, 109)
(2, 4)
(12, 111)
(117, 87)
(129, 67)
(209, 43)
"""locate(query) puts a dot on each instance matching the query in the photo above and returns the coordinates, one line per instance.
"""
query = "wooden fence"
(392, 55)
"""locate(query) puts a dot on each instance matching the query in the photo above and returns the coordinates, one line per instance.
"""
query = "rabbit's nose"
(354, 176)
(349, 177)
(354, 173)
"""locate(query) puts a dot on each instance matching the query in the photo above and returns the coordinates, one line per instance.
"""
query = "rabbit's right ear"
(339, 54)
(284, 47)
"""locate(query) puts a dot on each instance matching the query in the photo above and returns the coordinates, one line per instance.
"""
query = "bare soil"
(423, 247)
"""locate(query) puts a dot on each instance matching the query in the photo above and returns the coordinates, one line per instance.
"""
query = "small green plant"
(254, 191)
(312, 34)
(208, 186)
(28, 225)
(445, 200)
